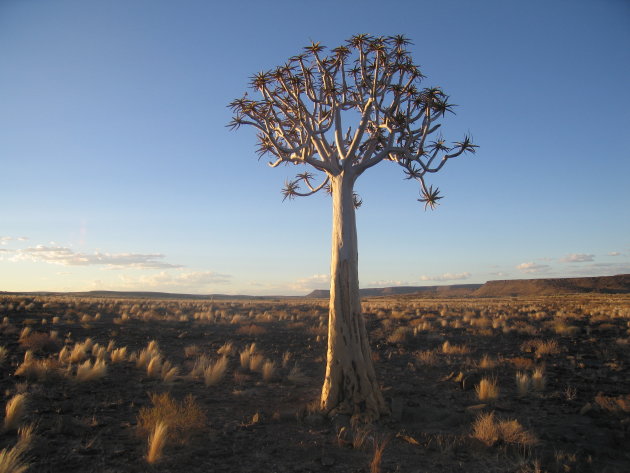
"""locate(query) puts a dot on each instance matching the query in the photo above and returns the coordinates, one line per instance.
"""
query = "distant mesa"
(619, 284)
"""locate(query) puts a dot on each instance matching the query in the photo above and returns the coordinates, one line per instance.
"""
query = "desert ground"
(535, 384)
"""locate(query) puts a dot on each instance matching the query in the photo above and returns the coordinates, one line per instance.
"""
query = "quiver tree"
(341, 113)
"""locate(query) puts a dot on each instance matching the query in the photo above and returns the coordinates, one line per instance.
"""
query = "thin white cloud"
(445, 277)
(189, 281)
(316, 281)
(531, 267)
(6, 239)
(577, 258)
(614, 253)
(67, 257)
(388, 283)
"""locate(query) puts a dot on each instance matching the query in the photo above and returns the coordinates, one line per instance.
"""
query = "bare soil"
(580, 418)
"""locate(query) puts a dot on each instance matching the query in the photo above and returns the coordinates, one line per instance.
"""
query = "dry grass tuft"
(538, 379)
(157, 441)
(377, 457)
(487, 389)
(214, 372)
(256, 362)
(183, 418)
(12, 459)
(490, 431)
(3, 354)
(268, 370)
(118, 355)
(487, 362)
(522, 383)
(449, 349)
(252, 330)
(227, 349)
(87, 371)
(14, 412)
(427, 357)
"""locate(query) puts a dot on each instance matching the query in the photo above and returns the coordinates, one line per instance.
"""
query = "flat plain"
(511, 384)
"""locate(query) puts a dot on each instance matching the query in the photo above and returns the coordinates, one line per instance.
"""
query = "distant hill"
(619, 284)
(454, 290)
(145, 295)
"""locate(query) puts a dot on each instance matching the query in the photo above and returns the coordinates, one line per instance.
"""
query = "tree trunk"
(350, 386)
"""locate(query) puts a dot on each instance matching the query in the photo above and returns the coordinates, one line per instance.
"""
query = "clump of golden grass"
(490, 431)
(182, 418)
(377, 457)
(192, 351)
(154, 368)
(541, 347)
(169, 372)
(487, 389)
(38, 341)
(157, 441)
(24, 333)
(118, 355)
(14, 412)
(399, 335)
(268, 370)
(286, 357)
(252, 330)
(226, 349)
(12, 459)
(522, 383)
(3, 354)
(87, 371)
(538, 379)
(33, 368)
(214, 372)
(427, 357)
(616, 405)
(449, 349)
(487, 362)
(256, 362)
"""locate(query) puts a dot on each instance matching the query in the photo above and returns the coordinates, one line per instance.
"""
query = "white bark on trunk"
(350, 386)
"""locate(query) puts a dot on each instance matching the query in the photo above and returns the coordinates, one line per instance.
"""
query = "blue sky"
(117, 170)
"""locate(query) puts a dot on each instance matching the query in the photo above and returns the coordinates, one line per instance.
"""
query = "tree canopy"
(347, 109)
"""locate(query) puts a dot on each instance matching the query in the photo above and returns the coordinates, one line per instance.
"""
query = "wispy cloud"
(531, 267)
(577, 258)
(316, 281)
(191, 281)
(614, 253)
(67, 257)
(388, 283)
(445, 277)
(6, 239)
